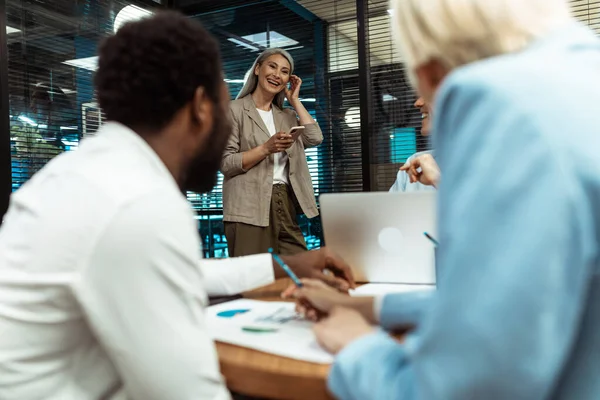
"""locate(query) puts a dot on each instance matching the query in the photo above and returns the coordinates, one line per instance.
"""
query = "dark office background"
(354, 85)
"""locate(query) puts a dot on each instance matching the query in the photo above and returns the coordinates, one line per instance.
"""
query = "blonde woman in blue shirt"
(517, 313)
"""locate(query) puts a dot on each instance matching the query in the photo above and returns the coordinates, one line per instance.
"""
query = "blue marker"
(428, 236)
(287, 269)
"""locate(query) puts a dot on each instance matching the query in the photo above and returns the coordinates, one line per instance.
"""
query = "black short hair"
(151, 68)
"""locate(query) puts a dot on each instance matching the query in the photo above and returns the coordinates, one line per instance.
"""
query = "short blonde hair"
(459, 32)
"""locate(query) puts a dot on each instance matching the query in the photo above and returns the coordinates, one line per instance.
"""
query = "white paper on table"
(378, 289)
(293, 338)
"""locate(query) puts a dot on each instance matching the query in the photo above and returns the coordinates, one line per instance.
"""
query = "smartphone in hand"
(296, 131)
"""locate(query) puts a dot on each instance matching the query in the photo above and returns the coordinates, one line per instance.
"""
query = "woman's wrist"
(294, 103)
(264, 151)
(304, 117)
(253, 156)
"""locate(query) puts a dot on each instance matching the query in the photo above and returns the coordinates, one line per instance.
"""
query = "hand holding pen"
(320, 264)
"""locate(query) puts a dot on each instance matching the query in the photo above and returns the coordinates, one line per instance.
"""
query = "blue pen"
(287, 269)
(428, 236)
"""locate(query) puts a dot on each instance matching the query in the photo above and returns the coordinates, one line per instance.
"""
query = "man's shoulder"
(123, 173)
(157, 212)
(88, 187)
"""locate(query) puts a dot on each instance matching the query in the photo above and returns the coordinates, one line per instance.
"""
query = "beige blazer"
(247, 194)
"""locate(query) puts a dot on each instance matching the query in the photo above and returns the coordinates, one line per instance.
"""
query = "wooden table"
(253, 373)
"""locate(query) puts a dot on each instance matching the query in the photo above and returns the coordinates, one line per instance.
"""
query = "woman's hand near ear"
(293, 96)
(293, 93)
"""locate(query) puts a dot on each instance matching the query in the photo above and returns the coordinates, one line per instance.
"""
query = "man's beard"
(202, 172)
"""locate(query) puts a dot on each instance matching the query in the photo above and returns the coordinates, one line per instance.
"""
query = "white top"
(280, 165)
(402, 183)
(101, 284)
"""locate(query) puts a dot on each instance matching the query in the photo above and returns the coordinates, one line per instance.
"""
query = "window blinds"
(51, 61)
(321, 37)
(52, 48)
(588, 12)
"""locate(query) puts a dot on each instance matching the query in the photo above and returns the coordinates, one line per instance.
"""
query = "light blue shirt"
(402, 183)
(517, 310)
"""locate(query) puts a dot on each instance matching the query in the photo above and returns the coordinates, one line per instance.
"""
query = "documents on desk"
(270, 327)
(378, 289)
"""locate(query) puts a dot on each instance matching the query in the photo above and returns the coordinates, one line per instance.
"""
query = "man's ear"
(202, 111)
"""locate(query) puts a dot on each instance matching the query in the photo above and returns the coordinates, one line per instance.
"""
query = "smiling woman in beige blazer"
(267, 182)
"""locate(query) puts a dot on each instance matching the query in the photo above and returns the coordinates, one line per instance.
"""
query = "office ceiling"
(341, 15)
(339, 10)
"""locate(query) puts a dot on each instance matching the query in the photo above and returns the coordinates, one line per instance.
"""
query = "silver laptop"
(381, 234)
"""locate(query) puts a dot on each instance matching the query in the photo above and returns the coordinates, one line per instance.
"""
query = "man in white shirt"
(405, 181)
(101, 291)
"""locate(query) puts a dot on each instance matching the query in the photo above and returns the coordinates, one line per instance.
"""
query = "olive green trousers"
(283, 234)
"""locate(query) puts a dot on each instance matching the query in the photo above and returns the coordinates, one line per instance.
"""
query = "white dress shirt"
(403, 184)
(280, 166)
(101, 289)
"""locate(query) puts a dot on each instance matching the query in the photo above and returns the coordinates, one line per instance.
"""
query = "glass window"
(52, 58)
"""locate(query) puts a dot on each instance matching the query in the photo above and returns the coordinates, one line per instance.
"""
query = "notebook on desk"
(380, 234)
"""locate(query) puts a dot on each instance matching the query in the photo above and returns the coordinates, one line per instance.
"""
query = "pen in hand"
(287, 269)
(431, 238)
(297, 282)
